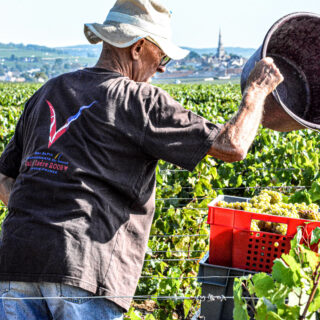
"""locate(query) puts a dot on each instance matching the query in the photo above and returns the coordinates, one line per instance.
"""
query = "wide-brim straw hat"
(131, 20)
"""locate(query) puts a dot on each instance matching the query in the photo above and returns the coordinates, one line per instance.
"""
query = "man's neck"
(115, 60)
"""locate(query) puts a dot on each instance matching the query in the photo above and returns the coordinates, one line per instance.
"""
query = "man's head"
(146, 58)
(142, 29)
(139, 62)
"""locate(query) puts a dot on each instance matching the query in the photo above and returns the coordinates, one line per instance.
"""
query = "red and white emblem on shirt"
(54, 135)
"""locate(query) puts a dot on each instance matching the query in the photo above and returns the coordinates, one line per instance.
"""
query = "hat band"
(137, 22)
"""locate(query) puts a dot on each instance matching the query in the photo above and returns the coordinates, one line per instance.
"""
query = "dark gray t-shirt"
(84, 156)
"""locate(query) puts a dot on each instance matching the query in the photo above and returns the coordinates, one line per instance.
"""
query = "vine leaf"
(315, 191)
(315, 236)
(282, 273)
(263, 284)
(187, 304)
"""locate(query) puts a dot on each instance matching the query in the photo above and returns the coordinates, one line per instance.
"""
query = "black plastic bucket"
(294, 44)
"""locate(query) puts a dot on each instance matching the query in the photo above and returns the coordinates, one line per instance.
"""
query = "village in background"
(33, 63)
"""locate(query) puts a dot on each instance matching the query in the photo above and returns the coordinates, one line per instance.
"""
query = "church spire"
(220, 51)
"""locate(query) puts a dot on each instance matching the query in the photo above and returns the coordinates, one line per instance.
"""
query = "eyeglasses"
(165, 59)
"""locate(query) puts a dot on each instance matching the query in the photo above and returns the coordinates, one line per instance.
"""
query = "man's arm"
(236, 136)
(6, 184)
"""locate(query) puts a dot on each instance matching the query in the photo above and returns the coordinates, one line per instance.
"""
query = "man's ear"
(137, 49)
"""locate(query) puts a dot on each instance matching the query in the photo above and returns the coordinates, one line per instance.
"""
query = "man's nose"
(161, 69)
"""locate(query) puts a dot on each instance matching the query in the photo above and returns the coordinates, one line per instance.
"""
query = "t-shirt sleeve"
(177, 135)
(10, 159)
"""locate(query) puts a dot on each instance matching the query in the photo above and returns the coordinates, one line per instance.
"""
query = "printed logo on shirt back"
(54, 135)
(47, 161)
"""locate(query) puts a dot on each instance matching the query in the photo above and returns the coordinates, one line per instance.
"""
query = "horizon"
(60, 23)
(88, 44)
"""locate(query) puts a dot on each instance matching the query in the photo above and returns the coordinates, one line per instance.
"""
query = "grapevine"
(285, 161)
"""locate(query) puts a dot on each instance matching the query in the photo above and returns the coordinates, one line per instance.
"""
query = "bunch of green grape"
(271, 202)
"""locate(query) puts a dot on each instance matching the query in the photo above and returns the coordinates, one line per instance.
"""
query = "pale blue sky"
(195, 23)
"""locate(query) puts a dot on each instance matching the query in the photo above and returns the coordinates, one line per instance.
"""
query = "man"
(80, 169)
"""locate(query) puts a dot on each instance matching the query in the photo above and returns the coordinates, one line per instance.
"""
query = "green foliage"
(12, 99)
(275, 159)
(240, 306)
(15, 94)
(291, 292)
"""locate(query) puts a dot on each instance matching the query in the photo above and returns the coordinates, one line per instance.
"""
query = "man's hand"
(6, 184)
(237, 135)
(265, 76)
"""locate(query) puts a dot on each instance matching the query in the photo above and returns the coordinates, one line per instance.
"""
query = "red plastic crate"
(233, 244)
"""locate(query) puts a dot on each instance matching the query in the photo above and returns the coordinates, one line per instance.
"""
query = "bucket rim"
(263, 54)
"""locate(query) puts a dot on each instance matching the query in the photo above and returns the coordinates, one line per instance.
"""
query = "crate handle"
(265, 220)
(269, 218)
(291, 223)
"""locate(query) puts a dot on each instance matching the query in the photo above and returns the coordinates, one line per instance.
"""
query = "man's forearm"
(6, 184)
(236, 137)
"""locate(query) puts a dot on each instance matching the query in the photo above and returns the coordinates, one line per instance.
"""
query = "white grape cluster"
(270, 202)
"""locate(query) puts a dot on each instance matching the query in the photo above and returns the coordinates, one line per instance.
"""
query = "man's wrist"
(254, 95)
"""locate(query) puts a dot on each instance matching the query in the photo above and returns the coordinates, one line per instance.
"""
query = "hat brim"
(170, 49)
(123, 35)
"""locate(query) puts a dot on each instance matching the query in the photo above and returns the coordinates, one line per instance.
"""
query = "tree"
(12, 57)
(59, 61)
(193, 55)
(234, 56)
(41, 75)
(27, 76)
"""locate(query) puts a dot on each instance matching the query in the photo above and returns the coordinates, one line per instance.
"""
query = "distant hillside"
(92, 51)
(85, 50)
(21, 50)
(243, 52)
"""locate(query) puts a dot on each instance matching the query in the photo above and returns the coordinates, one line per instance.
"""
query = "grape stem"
(313, 292)
(252, 300)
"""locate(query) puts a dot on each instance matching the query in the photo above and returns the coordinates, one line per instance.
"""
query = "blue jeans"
(80, 308)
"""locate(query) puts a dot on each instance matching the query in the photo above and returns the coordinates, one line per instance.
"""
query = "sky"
(195, 23)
